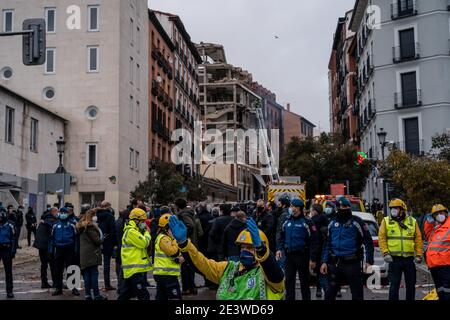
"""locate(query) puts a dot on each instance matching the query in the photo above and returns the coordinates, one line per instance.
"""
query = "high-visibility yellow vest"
(133, 252)
(164, 264)
(401, 241)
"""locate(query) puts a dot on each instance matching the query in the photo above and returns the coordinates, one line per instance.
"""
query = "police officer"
(63, 246)
(7, 250)
(343, 253)
(401, 244)
(299, 242)
(167, 260)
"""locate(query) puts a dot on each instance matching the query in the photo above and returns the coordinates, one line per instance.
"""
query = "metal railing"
(403, 8)
(406, 52)
(407, 99)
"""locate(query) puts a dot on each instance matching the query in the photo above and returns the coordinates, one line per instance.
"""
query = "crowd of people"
(244, 251)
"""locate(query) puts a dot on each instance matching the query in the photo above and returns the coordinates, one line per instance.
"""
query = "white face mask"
(94, 218)
(441, 218)
(394, 213)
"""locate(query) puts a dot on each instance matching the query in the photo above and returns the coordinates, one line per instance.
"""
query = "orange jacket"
(438, 251)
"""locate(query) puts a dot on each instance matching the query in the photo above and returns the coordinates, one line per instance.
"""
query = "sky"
(294, 66)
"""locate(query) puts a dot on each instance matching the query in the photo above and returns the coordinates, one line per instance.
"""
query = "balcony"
(406, 52)
(408, 99)
(403, 9)
(414, 147)
(371, 108)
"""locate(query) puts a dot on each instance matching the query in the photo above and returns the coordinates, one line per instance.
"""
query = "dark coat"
(44, 231)
(19, 218)
(106, 223)
(31, 220)
(90, 245)
(266, 223)
(119, 225)
(280, 222)
(194, 228)
(205, 219)
(216, 232)
(230, 235)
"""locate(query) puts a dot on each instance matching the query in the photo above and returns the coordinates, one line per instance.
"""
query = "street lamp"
(61, 147)
(382, 137)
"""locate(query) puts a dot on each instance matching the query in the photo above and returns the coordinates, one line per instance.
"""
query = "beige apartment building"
(96, 77)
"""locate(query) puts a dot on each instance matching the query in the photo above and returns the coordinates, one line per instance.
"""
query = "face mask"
(247, 258)
(142, 226)
(394, 213)
(63, 216)
(441, 218)
(328, 211)
(291, 212)
(94, 218)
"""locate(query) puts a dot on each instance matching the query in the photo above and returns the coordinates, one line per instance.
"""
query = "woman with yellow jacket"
(256, 276)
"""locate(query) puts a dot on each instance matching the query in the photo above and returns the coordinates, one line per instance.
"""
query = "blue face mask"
(290, 211)
(329, 211)
(247, 258)
(63, 216)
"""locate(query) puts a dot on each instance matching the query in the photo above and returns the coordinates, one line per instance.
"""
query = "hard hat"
(164, 220)
(398, 203)
(138, 214)
(438, 208)
(245, 238)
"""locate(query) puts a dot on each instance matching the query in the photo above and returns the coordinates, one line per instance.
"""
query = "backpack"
(5, 235)
(63, 234)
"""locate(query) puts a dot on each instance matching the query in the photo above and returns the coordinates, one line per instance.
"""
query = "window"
(93, 21)
(50, 18)
(409, 89)
(8, 21)
(91, 159)
(407, 44)
(138, 76)
(131, 109)
(131, 70)
(34, 135)
(131, 158)
(93, 199)
(132, 32)
(412, 142)
(93, 58)
(136, 161)
(138, 113)
(9, 125)
(50, 61)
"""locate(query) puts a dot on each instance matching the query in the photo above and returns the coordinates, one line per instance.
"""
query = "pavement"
(27, 284)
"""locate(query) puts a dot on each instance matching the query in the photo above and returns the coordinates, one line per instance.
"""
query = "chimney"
(288, 107)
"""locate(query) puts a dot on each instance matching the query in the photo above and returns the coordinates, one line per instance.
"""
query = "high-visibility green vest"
(164, 265)
(248, 286)
(133, 252)
(401, 241)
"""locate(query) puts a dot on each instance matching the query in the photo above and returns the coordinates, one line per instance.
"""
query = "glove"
(254, 233)
(178, 229)
(388, 258)
(429, 218)
(418, 260)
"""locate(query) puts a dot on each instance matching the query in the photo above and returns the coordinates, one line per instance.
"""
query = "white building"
(96, 77)
(28, 134)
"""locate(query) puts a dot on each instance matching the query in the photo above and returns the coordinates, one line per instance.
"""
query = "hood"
(237, 224)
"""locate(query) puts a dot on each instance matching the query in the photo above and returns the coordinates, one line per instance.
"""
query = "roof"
(358, 14)
(179, 24)
(160, 29)
(22, 98)
(338, 32)
(308, 122)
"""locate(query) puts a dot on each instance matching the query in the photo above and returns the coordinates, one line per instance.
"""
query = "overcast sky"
(294, 66)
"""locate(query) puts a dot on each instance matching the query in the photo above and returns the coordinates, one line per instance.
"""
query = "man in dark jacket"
(19, 224)
(43, 232)
(284, 207)
(7, 250)
(31, 224)
(231, 250)
(321, 222)
(218, 228)
(106, 223)
(265, 222)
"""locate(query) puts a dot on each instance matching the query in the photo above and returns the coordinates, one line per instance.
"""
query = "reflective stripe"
(166, 269)
(396, 253)
(439, 249)
(161, 255)
(442, 289)
(130, 266)
(401, 238)
(127, 246)
(445, 243)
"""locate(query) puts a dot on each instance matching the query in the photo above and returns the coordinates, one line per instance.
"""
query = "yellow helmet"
(164, 220)
(398, 203)
(438, 208)
(245, 238)
(138, 214)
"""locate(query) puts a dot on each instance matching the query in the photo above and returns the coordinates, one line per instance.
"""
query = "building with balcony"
(95, 76)
(403, 76)
(228, 102)
(161, 119)
(186, 88)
